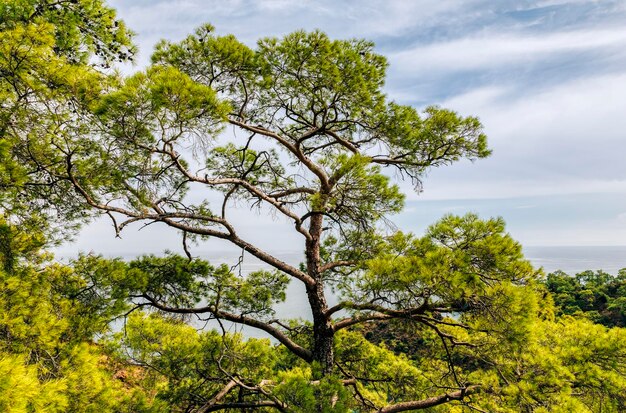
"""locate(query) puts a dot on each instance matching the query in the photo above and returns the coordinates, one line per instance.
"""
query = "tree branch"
(296, 349)
(431, 401)
(170, 219)
(379, 308)
(335, 264)
(252, 189)
(243, 405)
(252, 249)
(219, 396)
(347, 322)
(312, 166)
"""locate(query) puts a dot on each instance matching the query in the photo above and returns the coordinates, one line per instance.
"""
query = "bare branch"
(335, 264)
(243, 405)
(431, 401)
(408, 312)
(171, 220)
(292, 191)
(240, 319)
(252, 249)
(347, 144)
(312, 166)
(252, 189)
(347, 322)
(219, 396)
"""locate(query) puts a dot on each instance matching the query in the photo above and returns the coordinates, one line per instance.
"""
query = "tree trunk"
(322, 330)
(322, 327)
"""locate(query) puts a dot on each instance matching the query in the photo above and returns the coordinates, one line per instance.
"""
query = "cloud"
(565, 139)
(250, 20)
(457, 188)
(491, 50)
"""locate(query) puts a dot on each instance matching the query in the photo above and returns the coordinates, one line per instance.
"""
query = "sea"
(576, 259)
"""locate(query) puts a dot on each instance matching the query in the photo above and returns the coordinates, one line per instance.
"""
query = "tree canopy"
(595, 294)
(53, 56)
(49, 361)
(298, 127)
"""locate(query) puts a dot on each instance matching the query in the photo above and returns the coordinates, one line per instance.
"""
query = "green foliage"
(107, 287)
(597, 295)
(439, 138)
(316, 72)
(562, 365)
(21, 390)
(48, 360)
(259, 169)
(315, 139)
(322, 102)
(219, 62)
(568, 365)
(186, 366)
(462, 262)
(48, 56)
(161, 99)
(362, 195)
(82, 28)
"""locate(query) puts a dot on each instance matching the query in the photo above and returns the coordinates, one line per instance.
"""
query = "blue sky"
(547, 79)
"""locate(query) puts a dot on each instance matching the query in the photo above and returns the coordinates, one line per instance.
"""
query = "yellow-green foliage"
(47, 365)
(568, 365)
(467, 308)
(50, 54)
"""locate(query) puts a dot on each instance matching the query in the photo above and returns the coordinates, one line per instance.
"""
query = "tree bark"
(431, 401)
(323, 332)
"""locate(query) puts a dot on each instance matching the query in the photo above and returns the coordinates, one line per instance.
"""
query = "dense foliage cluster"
(595, 294)
(454, 320)
(49, 361)
(53, 56)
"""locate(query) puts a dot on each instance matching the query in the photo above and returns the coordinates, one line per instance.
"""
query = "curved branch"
(431, 401)
(347, 144)
(347, 322)
(292, 191)
(295, 348)
(170, 219)
(332, 265)
(252, 189)
(243, 405)
(250, 248)
(219, 396)
(312, 166)
(379, 308)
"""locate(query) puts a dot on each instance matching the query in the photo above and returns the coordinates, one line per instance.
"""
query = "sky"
(546, 78)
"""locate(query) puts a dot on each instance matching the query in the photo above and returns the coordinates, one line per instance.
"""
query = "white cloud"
(492, 50)
(459, 188)
(572, 236)
(393, 17)
(586, 111)
(250, 20)
(567, 139)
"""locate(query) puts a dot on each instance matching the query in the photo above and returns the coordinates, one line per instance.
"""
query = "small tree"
(314, 136)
